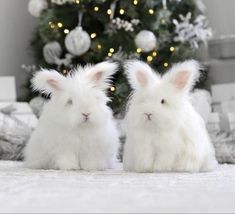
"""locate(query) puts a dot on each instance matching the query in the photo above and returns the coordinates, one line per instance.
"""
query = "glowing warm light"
(93, 35)
(135, 2)
(165, 64)
(109, 11)
(110, 54)
(138, 50)
(151, 11)
(96, 8)
(59, 24)
(172, 49)
(66, 31)
(154, 53)
(111, 50)
(121, 11)
(77, 1)
(112, 88)
(149, 58)
(99, 46)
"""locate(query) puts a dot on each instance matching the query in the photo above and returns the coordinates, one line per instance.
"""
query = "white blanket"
(25, 190)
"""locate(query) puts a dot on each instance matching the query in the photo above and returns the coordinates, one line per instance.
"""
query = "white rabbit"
(164, 132)
(76, 129)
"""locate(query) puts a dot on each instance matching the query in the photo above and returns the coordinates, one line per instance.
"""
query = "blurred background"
(17, 27)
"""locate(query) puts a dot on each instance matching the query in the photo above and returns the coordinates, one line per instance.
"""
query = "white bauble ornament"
(35, 7)
(78, 41)
(51, 52)
(146, 40)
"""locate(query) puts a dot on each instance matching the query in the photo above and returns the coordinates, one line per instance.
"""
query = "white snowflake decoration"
(194, 33)
(119, 23)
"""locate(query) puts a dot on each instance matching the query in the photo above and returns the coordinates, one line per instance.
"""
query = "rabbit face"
(158, 102)
(78, 100)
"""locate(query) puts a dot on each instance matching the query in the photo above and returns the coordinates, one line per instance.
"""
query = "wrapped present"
(7, 89)
(223, 92)
(13, 135)
(22, 111)
(222, 48)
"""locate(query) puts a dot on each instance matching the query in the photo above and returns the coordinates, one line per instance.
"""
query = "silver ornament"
(35, 7)
(78, 41)
(146, 40)
(51, 52)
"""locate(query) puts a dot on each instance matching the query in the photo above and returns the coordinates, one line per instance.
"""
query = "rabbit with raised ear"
(164, 132)
(76, 129)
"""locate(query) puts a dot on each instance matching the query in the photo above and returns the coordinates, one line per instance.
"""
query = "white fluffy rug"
(24, 190)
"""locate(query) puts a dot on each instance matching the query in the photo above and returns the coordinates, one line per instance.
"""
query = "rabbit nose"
(86, 115)
(148, 115)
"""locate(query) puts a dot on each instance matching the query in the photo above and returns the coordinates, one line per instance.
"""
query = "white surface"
(7, 89)
(24, 190)
(223, 92)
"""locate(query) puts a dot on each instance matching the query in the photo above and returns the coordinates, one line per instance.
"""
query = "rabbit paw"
(67, 163)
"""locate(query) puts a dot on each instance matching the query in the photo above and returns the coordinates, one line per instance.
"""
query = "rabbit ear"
(139, 74)
(183, 75)
(48, 81)
(101, 73)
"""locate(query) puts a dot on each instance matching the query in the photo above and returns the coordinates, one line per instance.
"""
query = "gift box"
(7, 89)
(222, 48)
(20, 110)
(223, 92)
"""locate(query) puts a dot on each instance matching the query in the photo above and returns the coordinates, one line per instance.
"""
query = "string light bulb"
(66, 31)
(151, 11)
(111, 50)
(121, 11)
(138, 50)
(135, 2)
(93, 35)
(110, 54)
(65, 71)
(52, 26)
(154, 53)
(59, 24)
(112, 88)
(109, 11)
(166, 64)
(99, 46)
(172, 49)
(149, 58)
(77, 1)
(96, 9)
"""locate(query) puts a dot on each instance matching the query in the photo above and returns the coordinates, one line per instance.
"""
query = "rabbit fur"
(164, 132)
(76, 129)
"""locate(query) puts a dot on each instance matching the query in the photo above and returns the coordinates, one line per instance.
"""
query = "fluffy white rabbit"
(164, 132)
(76, 129)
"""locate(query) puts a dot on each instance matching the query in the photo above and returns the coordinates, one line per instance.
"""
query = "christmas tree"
(160, 32)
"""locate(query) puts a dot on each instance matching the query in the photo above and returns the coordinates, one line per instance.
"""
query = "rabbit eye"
(69, 102)
(163, 101)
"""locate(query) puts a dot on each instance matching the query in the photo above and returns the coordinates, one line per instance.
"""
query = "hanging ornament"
(78, 41)
(35, 7)
(51, 52)
(164, 4)
(146, 40)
